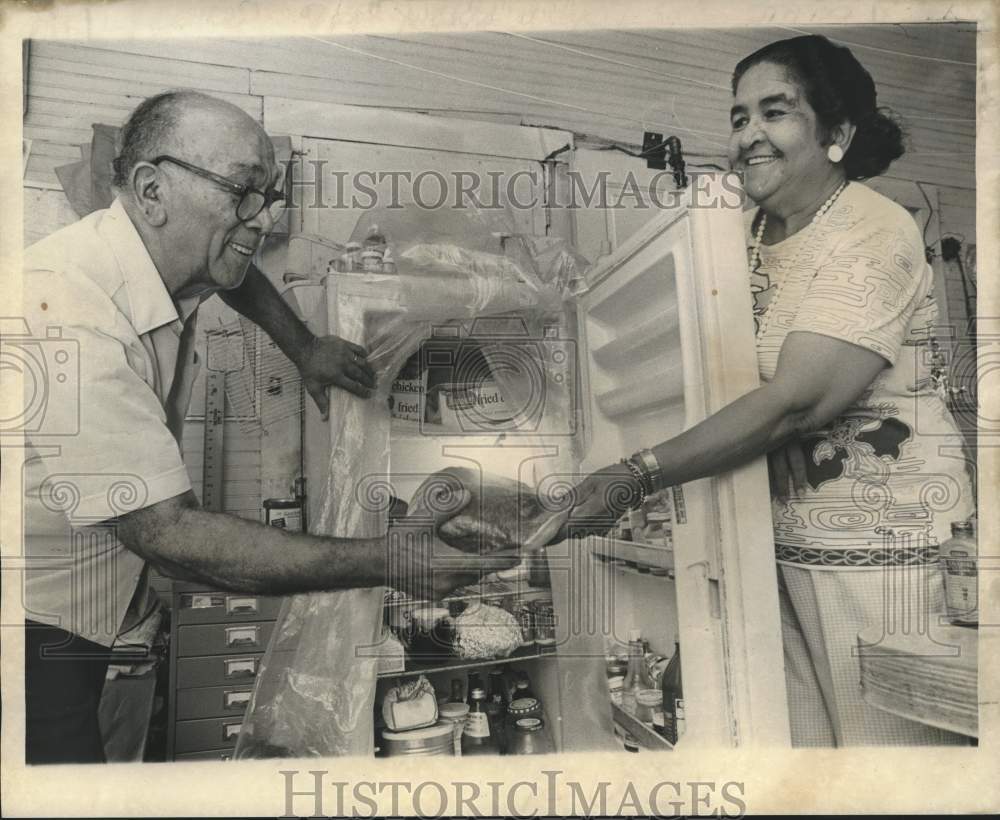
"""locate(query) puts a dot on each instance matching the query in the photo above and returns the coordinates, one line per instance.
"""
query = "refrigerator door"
(666, 339)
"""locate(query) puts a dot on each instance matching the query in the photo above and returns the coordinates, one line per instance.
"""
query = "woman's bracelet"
(637, 474)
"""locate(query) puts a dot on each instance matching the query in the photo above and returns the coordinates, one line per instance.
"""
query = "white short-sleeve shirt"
(115, 362)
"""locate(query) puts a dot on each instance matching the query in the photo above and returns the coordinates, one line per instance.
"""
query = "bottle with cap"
(478, 737)
(634, 678)
(496, 705)
(959, 555)
(673, 697)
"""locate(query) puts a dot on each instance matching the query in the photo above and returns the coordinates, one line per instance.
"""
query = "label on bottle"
(477, 725)
(679, 722)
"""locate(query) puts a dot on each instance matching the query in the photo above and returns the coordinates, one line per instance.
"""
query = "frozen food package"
(501, 515)
(315, 689)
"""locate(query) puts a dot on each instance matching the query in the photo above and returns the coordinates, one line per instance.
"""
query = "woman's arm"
(816, 379)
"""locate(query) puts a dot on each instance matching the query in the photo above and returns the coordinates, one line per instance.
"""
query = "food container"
(283, 513)
(431, 631)
(959, 555)
(371, 261)
(649, 706)
(431, 741)
(545, 621)
(352, 256)
(455, 714)
(528, 736)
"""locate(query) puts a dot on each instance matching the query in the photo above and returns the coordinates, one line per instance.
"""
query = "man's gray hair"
(148, 129)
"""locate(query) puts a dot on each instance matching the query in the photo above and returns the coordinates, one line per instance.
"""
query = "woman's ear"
(842, 135)
(148, 192)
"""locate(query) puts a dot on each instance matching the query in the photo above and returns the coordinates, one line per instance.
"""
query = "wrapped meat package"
(501, 515)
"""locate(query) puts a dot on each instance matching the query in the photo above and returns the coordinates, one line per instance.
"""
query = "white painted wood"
(357, 124)
(726, 584)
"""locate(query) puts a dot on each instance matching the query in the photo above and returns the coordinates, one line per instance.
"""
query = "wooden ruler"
(215, 416)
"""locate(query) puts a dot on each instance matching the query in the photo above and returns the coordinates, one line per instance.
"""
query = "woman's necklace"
(755, 254)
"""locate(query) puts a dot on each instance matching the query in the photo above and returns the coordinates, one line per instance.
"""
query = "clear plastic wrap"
(315, 689)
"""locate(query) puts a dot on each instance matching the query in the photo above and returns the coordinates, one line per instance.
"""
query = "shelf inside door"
(450, 664)
(652, 556)
(645, 735)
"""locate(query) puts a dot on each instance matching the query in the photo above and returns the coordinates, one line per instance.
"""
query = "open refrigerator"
(655, 336)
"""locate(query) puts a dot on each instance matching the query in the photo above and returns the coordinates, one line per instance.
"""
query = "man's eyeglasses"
(251, 202)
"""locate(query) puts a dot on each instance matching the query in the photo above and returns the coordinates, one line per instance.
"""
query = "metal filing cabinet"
(217, 643)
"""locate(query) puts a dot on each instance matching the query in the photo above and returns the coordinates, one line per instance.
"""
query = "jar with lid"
(544, 616)
(529, 737)
(455, 713)
(960, 556)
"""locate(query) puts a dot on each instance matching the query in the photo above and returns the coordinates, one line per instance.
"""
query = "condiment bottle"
(456, 691)
(959, 554)
(477, 737)
(634, 681)
(496, 706)
(475, 682)
(673, 697)
(522, 687)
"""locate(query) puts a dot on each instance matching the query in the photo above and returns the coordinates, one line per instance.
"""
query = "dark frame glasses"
(252, 201)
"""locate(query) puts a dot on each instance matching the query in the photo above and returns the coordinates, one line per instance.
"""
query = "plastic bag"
(314, 693)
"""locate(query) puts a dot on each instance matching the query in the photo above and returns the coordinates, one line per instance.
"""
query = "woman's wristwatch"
(647, 472)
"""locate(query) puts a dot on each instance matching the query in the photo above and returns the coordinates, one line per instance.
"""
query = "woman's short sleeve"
(867, 289)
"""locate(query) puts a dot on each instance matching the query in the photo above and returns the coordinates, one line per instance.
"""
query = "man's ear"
(148, 192)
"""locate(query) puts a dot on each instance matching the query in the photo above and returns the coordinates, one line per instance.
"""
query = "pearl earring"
(835, 153)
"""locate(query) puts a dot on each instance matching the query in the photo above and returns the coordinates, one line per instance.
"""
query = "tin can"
(284, 513)
(526, 620)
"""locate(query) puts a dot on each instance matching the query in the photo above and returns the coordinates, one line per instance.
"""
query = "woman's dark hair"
(838, 88)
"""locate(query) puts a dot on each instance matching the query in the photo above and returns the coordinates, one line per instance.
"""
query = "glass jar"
(545, 621)
(959, 555)
(529, 737)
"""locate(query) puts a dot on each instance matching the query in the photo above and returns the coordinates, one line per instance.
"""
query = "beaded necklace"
(755, 254)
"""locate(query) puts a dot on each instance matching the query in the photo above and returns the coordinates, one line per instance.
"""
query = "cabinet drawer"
(214, 754)
(211, 607)
(214, 639)
(214, 701)
(205, 735)
(218, 671)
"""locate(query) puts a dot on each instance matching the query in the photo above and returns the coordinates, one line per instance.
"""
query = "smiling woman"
(844, 311)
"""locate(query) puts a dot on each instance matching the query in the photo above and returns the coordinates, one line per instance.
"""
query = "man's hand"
(599, 501)
(426, 568)
(332, 360)
(787, 466)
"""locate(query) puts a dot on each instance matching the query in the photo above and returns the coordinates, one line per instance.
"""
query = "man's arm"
(188, 543)
(321, 360)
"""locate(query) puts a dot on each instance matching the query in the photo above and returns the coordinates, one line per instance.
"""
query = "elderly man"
(195, 197)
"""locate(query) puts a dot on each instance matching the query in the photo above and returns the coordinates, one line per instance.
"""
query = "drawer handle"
(230, 730)
(242, 636)
(241, 667)
(236, 700)
(235, 606)
(205, 600)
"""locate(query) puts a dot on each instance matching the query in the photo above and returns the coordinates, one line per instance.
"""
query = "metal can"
(284, 513)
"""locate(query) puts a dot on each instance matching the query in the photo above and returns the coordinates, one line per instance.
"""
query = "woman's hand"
(425, 567)
(332, 360)
(599, 501)
(787, 470)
